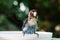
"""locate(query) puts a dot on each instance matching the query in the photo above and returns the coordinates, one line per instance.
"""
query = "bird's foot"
(37, 34)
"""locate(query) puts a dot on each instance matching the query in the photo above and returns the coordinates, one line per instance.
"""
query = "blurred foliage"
(10, 15)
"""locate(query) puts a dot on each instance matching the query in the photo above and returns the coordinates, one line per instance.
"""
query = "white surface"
(17, 35)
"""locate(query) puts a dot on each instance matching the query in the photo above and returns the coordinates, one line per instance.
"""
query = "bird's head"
(32, 17)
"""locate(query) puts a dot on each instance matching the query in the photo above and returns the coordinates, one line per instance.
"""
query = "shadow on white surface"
(1, 38)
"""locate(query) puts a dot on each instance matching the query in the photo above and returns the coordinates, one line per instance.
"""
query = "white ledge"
(17, 35)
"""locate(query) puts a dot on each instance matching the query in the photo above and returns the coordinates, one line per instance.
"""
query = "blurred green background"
(13, 12)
